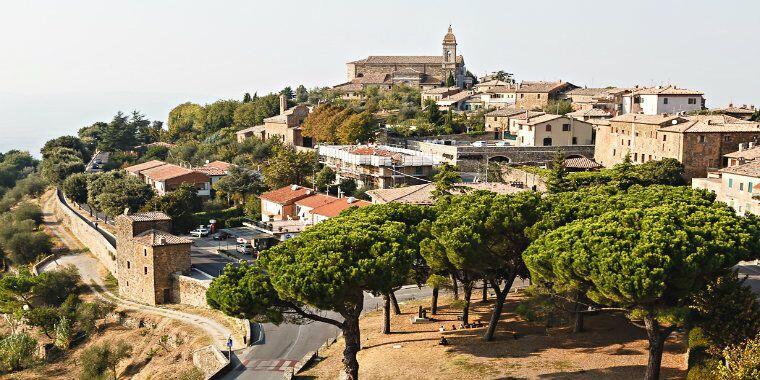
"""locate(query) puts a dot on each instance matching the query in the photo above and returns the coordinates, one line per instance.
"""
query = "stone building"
(422, 71)
(286, 126)
(536, 95)
(609, 99)
(147, 256)
(662, 99)
(698, 142)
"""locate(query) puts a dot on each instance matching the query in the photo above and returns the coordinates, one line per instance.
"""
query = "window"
(701, 138)
(741, 186)
(730, 183)
(566, 127)
(749, 187)
(547, 141)
(664, 100)
(664, 137)
(548, 128)
(629, 142)
(145, 252)
(613, 153)
(575, 141)
(129, 265)
(145, 270)
(692, 100)
(635, 157)
(538, 96)
(637, 99)
(522, 96)
(418, 170)
(726, 138)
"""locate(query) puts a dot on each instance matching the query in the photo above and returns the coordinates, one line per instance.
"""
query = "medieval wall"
(99, 246)
(189, 291)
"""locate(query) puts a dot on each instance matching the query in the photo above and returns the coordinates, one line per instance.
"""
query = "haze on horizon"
(65, 65)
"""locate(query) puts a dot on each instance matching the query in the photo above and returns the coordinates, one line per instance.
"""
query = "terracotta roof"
(580, 163)
(168, 171)
(501, 89)
(594, 112)
(747, 154)
(541, 119)
(506, 112)
(403, 59)
(667, 90)
(542, 86)
(287, 194)
(154, 238)
(713, 124)
(333, 209)
(458, 97)
(316, 200)
(254, 129)
(750, 169)
(521, 116)
(441, 90)
(147, 216)
(423, 194)
(493, 83)
(144, 166)
(219, 164)
(348, 86)
(210, 171)
(646, 119)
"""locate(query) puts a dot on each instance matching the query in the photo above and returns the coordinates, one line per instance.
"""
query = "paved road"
(286, 344)
(204, 256)
(752, 271)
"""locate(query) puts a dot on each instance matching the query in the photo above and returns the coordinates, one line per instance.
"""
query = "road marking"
(277, 365)
(298, 336)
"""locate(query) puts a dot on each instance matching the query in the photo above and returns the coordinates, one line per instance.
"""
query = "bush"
(25, 248)
(17, 351)
(98, 360)
(28, 210)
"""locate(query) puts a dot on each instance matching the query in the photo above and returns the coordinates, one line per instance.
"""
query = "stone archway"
(500, 159)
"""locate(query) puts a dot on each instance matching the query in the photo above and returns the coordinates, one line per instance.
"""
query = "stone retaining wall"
(189, 291)
(211, 361)
(41, 263)
(100, 247)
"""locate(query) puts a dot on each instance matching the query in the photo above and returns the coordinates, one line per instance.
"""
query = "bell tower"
(450, 54)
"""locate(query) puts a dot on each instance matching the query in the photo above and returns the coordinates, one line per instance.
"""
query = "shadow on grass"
(620, 372)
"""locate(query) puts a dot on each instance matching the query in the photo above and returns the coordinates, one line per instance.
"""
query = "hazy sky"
(66, 64)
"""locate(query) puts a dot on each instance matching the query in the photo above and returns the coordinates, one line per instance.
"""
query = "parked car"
(221, 235)
(245, 248)
(501, 143)
(200, 231)
(479, 143)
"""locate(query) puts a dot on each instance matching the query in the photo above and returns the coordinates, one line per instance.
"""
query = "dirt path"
(90, 270)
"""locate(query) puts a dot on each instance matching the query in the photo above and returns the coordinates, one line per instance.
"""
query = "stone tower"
(147, 255)
(450, 53)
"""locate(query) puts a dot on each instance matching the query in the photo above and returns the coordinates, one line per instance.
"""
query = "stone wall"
(99, 246)
(211, 361)
(189, 291)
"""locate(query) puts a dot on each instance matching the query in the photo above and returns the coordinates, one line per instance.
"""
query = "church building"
(422, 71)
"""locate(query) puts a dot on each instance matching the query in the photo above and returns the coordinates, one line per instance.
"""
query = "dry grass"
(174, 363)
(610, 348)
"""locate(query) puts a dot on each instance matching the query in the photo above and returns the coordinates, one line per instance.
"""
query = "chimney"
(161, 240)
(283, 104)
(741, 147)
(751, 145)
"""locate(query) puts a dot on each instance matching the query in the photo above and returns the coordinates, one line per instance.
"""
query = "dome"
(449, 38)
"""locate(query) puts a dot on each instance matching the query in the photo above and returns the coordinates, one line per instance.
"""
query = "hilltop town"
(415, 221)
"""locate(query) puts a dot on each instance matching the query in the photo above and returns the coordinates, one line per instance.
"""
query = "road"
(752, 271)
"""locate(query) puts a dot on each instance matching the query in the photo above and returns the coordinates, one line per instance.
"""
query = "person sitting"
(443, 341)
(453, 327)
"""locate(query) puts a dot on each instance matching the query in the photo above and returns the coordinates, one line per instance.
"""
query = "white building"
(660, 100)
(553, 130)
(738, 184)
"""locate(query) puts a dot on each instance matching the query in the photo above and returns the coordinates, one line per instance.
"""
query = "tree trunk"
(501, 296)
(455, 287)
(656, 336)
(352, 337)
(434, 302)
(578, 323)
(386, 314)
(485, 291)
(394, 301)
(466, 308)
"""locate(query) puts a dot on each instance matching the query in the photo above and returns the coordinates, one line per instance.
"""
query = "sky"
(67, 64)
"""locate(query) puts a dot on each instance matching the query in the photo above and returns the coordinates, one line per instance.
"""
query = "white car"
(200, 232)
(501, 143)
(479, 143)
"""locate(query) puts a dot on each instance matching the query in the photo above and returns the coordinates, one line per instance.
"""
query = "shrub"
(17, 351)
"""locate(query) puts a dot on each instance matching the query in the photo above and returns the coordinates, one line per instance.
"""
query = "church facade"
(423, 71)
